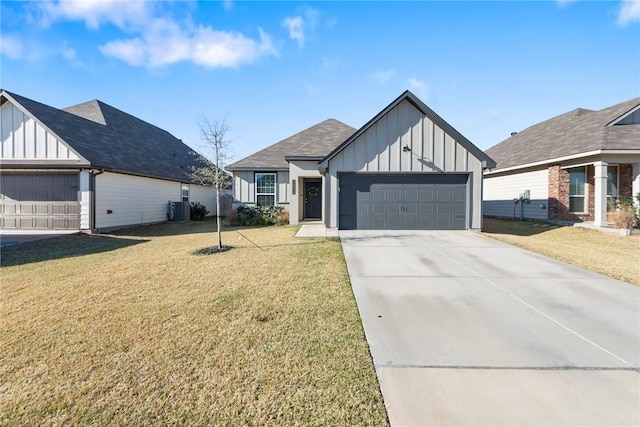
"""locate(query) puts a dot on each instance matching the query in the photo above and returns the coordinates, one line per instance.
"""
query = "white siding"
(380, 149)
(84, 193)
(299, 170)
(204, 195)
(133, 200)
(25, 139)
(500, 190)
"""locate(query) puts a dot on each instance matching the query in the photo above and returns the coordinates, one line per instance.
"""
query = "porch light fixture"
(406, 148)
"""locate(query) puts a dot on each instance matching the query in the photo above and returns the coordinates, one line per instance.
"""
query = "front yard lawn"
(134, 329)
(612, 255)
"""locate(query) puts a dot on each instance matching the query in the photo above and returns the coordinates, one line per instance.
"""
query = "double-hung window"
(265, 189)
(577, 180)
(612, 188)
(185, 192)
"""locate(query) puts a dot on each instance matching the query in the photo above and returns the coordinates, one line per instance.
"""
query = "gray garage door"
(39, 201)
(403, 202)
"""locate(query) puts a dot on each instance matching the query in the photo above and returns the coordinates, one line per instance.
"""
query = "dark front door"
(313, 199)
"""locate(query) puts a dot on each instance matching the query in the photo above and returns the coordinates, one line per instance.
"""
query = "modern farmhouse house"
(89, 167)
(406, 168)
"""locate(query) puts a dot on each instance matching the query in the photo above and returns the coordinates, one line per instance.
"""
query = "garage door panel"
(39, 201)
(420, 201)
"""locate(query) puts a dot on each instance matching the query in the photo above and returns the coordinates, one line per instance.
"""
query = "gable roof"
(313, 144)
(113, 140)
(575, 132)
(428, 112)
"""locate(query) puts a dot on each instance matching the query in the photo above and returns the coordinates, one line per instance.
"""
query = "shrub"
(198, 211)
(257, 215)
(283, 219)
(624, 217)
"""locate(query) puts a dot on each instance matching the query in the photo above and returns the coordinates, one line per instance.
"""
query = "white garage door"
(39, 201)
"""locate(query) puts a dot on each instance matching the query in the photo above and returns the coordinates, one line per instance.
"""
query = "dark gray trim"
(428, 112)
(303, 158)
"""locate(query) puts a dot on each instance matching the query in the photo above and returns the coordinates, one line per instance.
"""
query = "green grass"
(611, 255)
(135, 329)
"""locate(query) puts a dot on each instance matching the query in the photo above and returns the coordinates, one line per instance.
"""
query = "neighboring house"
(404, 169)
(89, 167)
(574, 166)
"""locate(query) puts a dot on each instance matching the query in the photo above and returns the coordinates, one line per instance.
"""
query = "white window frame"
(184, 189)
(275, 187)
(612, 199)
(584, 192)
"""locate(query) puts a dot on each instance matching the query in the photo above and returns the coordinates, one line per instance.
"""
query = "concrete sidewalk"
(465, 330)
(316, 229)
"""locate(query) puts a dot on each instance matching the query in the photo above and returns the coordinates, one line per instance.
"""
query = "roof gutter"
(564, 158)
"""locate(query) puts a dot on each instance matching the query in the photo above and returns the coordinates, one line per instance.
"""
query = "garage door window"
(265, 189)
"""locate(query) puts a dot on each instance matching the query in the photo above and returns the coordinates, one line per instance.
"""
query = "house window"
(265, 189)
(185, 192)
(577, 180)
(612, 187)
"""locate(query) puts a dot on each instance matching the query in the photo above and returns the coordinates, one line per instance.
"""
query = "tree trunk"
(218, 217)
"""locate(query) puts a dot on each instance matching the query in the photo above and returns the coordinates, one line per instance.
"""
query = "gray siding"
(631, 119)
(244, 186)
(380, 149)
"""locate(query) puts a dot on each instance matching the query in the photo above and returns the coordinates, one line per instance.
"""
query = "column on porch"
(635, 182)
(600, 184)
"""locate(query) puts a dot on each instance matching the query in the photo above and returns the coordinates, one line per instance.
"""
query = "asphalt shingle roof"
(114, 140)
(315, 142)
(575, 132)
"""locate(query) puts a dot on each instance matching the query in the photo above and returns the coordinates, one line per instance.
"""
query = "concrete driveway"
(465, 330)
(14, 237)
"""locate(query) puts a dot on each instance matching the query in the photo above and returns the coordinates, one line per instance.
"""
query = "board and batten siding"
(244, 186)
(500, 190)
(133, 200)
(23, 138)
(380, 149)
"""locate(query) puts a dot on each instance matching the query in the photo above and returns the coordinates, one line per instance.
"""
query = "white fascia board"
(624, 115)
(562, 159)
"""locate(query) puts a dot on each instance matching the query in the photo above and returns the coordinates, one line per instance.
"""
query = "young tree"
(214, 133)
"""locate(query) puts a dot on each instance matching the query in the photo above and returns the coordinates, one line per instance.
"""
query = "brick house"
(573, 167)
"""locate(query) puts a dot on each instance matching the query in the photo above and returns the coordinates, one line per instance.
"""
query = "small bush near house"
(283, 219)
(258, 215)
(198, 211)
(625, 216)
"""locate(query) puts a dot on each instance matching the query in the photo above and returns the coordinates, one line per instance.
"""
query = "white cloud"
(157, 39)
(71, 56)
(123, 14)
(165, 43)
(383, 76)
(418, 86)
(12, 47)
(295, 25)
(629, 12)
(299, 26)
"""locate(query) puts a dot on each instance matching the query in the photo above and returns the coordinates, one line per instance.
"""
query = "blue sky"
(276, 68)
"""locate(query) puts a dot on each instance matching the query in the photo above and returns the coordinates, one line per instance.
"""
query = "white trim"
(624, 116)
(561, 159)
(275, 187)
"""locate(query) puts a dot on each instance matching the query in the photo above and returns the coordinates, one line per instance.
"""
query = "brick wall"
(626, 181)
(559, 195)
